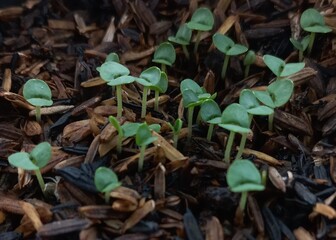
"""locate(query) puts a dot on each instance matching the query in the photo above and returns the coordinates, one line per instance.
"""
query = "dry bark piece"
(33, 215)
(63, 227)
(213, 229)
(10, 13)
(159, 182)
(80, 109)
(302, 234)
(293, 123)
(126, 194)
(32, 128)
(52, 110)
(325, 210)
(61, 24)
(276, 179)
(74, 161)
(262, 156)
(255, 215)
(76, 131)
(191, 226)
(101, 212)
(303, 76)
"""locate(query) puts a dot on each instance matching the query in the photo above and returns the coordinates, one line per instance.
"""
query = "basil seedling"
(112, 57)
(300, 45)
(249, 59)
(211, 113)
(182, 37)
(176, 129)
(165, 55)
(160, 87)
(106, 180)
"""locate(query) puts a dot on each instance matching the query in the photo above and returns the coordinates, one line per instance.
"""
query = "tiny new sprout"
(182, 37)
(176, 128)
(115, 74)
(202, 20)
(165, 55)
(115, 123)
(38, 94)
(276, 95)
(143, 138)
(280, 68)
(112, 57)
(249, 59)
(228, 47)
(35, 160)
(160, 87)
(312, 21)
(300, 45)
(242, 176)
(106, 180)
(211, 113)
(236, 120)
(148, 78)
(248, 100)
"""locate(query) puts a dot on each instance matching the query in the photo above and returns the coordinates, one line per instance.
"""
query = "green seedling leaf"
(115, 123)
(190, 98)
(130, 129)
(252, 105)
(210, 111)
(106, 180)
(182, 36)
(235, 118)
(191, 85)
(165, 54)
(300, 45)
(274, 64)
(121, 80)
(37, 93)
(243, 176)
(250, 58)
(155, 127)
(281, 91)
(176, 128)
(41, 154)
(312, 21)
(291, 68)
(265, 98)
(112, 57)
(201, 20)
(144, 136)
(225, 44)
(236, 50)
(149, 77)
(162, 84)
(22, 160)
(110, 70)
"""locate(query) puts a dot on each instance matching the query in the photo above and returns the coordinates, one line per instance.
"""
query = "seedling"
(176, 128)
(159, 87)
(248, 100)
(312, 21)
(143, 138)
(38, 94)
(165, 55)
(182, 37)
(106, 180)
(280, 68)
(202, 20)
(225, 44)
(300, 45)
(211, 113)
(112, 57)
(115, 74)
(35, 160)
(242, 176)
(249, 59)
(277, 94)
(236, 120)
(148, 78)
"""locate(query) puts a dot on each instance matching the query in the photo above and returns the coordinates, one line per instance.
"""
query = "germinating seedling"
(225, 44)
(112, 57)
(242, 176)
(202, 20)
(176, 128)
(253, 107)
(277, 94)
(165, 55)
(160, 87)
(236, 120)
(115, 74)
(38, 94)
(211, 113)
(249, 59)
(182, 37)
(280, 68)
(106, 180)
(300, 45)
(33, 161)
(312, 21)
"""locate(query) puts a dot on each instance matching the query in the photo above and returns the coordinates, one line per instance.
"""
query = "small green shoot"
(249, 59)
(176, 129)
(211, 113)
(160, 87)
(312, 21)
(112, 57)
(106, 180)
(300, 45)
(35, 160)
(277, 94)
(115, 74)
(38, 94)
(165, 55)
(115, 123)
(182, 37)
(236, 120)
(243, 176)
(225, 45)
(202, 20)
(280, 68)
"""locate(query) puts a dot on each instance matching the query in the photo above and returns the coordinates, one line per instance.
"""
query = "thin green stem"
(241, 145)
(225, 66)
(38, 113)
(199, 118)
(198, 39)
(175, 139)
(141, 157)
(40, 180)
(119, 142)
(311, 42)
(228, 147)
(163, 68)
(300, 55)
(107, 197)
(185, 50)
(144, 101)
(119, 101)
(190, 121)
(156, 100)
(270, 122)
(247, 70)
(242, 202)
(210, 130)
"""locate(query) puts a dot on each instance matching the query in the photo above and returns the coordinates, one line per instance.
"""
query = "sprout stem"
(175, 139)
(270, 122)
(247, 70)
(229, 143)
(225, 66)
(156, 100)
(241, 145)
(300, 55)
(40, 180)
(190, 121)
(163, 68)
(119, 142)
(38, 113)
(141, 158)
(119, 101)
(210, 130)
(242, 202)
(311, 42)
(198, 39)
(185, 50)
(144, 101)
(107, 197)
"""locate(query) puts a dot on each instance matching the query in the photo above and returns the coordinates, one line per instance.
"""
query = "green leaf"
(109, 71)
(234, 128)
(250, 58)
(162, 85)
(144, 135)
(37, 93)
(106, 180)
(210, 110)
(115, 123)
(265, 98)
(191, 85)
(243, 176)
(149, 77)
(176, 128)
(305, 42)
(112, 57)
(130, 129)
(121, 80)
(261, 110)
(291, 68)
(236, 50)
(190, 99)
(165, 54)
(155, 127)
(281, 90)
(312, 21)
(41, 154)
(182, 36)
(248, 100)
(297, 44)
(222, 42)
(235, 118)
(22, 160)
(201, 20)
(274, 64)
